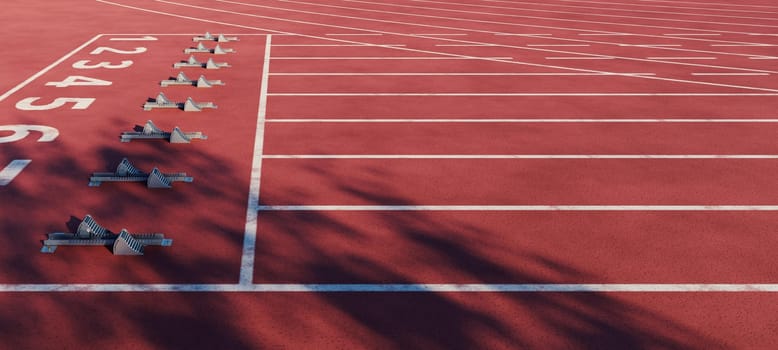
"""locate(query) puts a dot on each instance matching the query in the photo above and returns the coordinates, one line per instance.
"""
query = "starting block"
(218, 50)
(89, 233)
(189, 106)
(192, 62)
(126, 172)
(151, 131)
(182, 79)
(219, 39)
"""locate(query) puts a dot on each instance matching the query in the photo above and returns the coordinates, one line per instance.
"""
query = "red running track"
(732, 80)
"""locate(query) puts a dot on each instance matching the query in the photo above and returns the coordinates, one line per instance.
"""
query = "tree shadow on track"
(427, 247)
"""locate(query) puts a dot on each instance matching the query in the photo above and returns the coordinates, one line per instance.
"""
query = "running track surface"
(398, 174)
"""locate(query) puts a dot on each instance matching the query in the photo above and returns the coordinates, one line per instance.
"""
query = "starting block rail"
(152, 132)
(155, 179)
(182, 79)
(193, 62)
(123, 243)
(189, 106)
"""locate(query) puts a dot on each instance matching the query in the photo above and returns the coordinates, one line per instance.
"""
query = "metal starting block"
(126, 172)
(151, 132)
(89, 233)
(189, 106)
(218, 50)
(219, 39)
(192, 62)
(182, 79)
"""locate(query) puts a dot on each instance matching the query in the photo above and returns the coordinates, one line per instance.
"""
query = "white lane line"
(459, 74)
(439, 34)
(332, 45)
(463, 45)
(743, 45)
(250, 234)
(522, 34)
(692, 34)
(709, 3)
(550, 94)
(581, 58)
(439, 38)
(682, 58)
(48, 68)
(763, 58)
(401, 34)
(399, 288)
(353, 34)
(651, 45)
(518, 208)
(521, 156)
(728, 74)
(13, 169)
(392, 58)
(605, 34)
(558, 45)
(604, 120)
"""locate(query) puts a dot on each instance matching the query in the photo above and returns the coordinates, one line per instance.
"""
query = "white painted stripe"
(692, 34)
(463, 45)
(522, 34)
(732, 74)
(459, 74)
(399, 288)
(581, 58)
(48, 68)
(742, 45)
(353, 34)
(393, 58)
(521, 156)
(518, 208)
(763, 58)
(651, 45)
(554, 94)
(439, 34)
(13, 169)
(604, 120)
(250, 234)
(605, 34)
(144, 38)
(558, 45)
(333, 45)
(682, 58)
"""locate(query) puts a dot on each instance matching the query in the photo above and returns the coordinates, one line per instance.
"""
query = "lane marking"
(13, 169)
(521, 34)
(250, 234)
(682, 58)
(604, 120)
(392, 58)
(459, 74)
(580, 58)
(399, 288)
(332, 45)
(730, 74)
(520, 156)
(692, 34)
(48, 68)
(555, 94)
(558, 45)
(463, 45)
(353, 34)
(518, 208)
(401, 34)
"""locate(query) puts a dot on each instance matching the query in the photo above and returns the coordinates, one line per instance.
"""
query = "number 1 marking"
(12, 170)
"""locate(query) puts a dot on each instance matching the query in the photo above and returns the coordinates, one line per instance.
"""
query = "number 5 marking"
(78, 103)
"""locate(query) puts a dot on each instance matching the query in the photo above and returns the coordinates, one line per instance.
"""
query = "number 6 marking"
(78, 103)
(21, 131)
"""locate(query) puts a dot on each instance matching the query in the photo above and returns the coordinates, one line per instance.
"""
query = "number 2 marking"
(102, 49)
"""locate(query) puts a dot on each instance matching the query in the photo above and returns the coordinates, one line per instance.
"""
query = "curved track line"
(695, 82)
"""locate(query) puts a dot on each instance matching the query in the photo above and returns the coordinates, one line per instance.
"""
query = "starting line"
(397, 288)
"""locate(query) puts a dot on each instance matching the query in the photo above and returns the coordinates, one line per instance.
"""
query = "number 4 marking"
(12, 170)
(77, 80)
